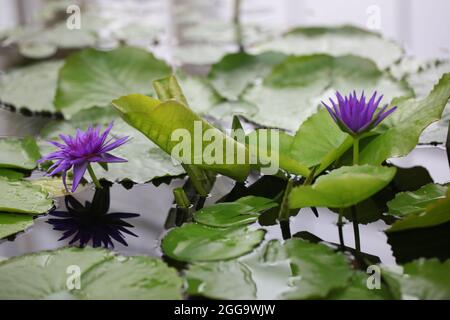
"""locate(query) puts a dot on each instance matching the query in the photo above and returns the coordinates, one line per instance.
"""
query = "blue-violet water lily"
(356, 115)
(80, 151)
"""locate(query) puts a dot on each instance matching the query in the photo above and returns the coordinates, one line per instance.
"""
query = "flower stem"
(94, 177)
(353, 208)
(355, 151)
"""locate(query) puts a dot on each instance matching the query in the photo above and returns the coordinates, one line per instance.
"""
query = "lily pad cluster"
(224, 248)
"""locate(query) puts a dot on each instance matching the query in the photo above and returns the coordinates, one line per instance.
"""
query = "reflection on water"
(92, 221)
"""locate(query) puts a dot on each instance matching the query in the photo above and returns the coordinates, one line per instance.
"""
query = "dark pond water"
(145, 210)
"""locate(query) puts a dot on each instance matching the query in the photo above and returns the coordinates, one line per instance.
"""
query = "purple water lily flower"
(356, 116)
(79, 151)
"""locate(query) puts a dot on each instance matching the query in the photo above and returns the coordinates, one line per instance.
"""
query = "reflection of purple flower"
(79, 151)
(91, 222)
(356, 116)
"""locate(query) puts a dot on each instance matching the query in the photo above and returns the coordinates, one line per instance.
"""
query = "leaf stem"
(356, 229)
(340, 225)
(94, 177)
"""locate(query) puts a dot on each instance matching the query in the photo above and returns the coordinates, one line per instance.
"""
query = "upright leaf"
(343, 187)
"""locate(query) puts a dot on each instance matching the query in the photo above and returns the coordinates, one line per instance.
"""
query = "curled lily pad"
(407, 203)
(227, 214)
(19, 153)
(343, 187)
(435, 213)
(102, 275)
(196, 242)
(11, 223)
(23, 197)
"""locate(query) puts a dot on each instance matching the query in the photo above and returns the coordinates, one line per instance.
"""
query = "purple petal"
(78, 173)
(107, 157)
(115, 144)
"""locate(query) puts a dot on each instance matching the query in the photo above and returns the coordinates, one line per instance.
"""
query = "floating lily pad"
(54, 186)
(11, 223)
(407, 203)
(221, 280)
(11, 174)
(422, 82)
(236, 71)
(195, 242)
(295, 270)
(422, 279)
(435, 213)
(23, 197)
(200, 95)
(32, 87)
(19, 153)
(298, 84)
(94, 78)
(335, 41)
(343, 187)
(357, 290)
(227, 214)
(146, 161)
(47, 275)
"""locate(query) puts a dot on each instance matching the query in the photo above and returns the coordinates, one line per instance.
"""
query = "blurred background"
(421, 27)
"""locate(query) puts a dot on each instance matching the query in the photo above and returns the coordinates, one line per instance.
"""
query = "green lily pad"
(357, 290)
(11, 223)
(435, 213)
(228, 214)
(103, 275)
(298, 84)
(221, 280)
(406, 203)
(335, 41)
(236, 71)
(32, 87)
(94, 78)
(422, 82)
(296, 270)
(146, 161)
(195, 242)
(422, 279)
(343, 187)
(23, 197)
(19, 153)
(11, 174)
(198, 92)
